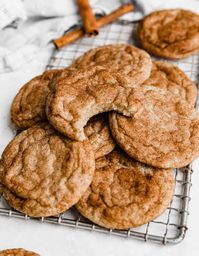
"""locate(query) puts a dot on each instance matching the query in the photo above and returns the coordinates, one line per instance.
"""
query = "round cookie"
(98, 132)
(163, 131)
(17, 252)
(125, 193)
(73, 101)
(45, 173)
(170, 33)
(170, 77)
(131, 62)
(28, 106)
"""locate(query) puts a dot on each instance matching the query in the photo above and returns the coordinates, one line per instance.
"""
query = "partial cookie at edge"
(17, 252)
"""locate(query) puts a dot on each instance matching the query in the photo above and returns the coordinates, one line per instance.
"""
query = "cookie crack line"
(135, 211)
(116, 205)
(167, 75)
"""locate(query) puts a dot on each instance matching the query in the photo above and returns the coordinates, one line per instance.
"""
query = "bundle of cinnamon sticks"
(91, 25)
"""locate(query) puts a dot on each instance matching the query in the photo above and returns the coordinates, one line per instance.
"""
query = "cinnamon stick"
(115, 14)
(88, 18)
(79, 32)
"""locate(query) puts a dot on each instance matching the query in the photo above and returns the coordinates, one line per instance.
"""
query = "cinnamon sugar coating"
(170, 33)
(125, 193)
(73, 101)
(163, 130)
(98, 132)
(45, 173)
(173, 79)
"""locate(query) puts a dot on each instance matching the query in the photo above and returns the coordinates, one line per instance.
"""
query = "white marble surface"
(52, 240)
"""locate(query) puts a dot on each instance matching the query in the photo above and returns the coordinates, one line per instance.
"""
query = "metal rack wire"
(171, 226)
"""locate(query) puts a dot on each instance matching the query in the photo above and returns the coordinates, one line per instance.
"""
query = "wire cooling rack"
(171, 226)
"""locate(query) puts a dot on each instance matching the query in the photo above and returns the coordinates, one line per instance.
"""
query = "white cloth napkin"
(49, 19)
(11, 11)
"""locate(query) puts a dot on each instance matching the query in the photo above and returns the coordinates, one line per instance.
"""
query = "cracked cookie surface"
(170, 33)
(45, 173)
(73, 101)
(17, 252)
(28, 106)
(98, 132)
(170, 77)
(162, 132)
(125, 193)
(131, 62)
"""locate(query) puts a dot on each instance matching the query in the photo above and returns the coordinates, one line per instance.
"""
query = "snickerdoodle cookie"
(28, 106)
(131, 62)
(170, 33)
(170, 77)
(73, 101)
(125, 193)
(98, 132)
(17, 252)
(45, 173)
(163, 130)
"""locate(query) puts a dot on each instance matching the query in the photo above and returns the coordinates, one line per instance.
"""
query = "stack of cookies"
(104, 135)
